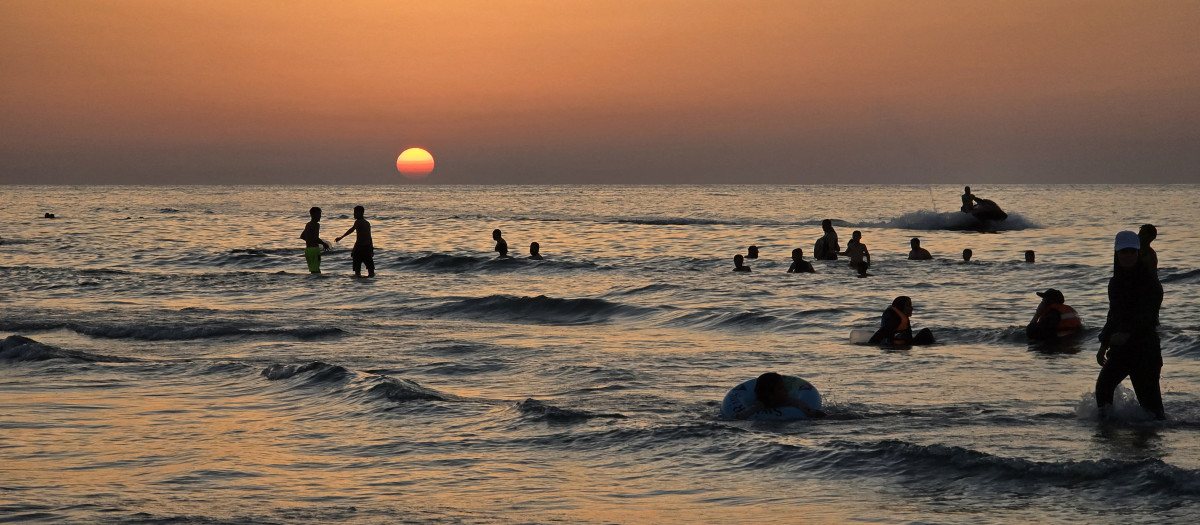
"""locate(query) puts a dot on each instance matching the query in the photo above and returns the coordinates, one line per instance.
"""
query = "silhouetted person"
(799, 265)
(771, 392)
(827, 248)
(501, 244)
(48, 215)
(1029, 256)
(894, 327)
(860, 258)
(364, 249)
(968, 200)
(312, 240)
(1146, 255)
(1129, 344)
(967, 255)
(1053, 318)
(738, 266)
(918, 253)
(535, 251)
(752, 252)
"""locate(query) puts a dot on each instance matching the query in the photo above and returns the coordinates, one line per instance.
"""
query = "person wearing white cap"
(1129, 345)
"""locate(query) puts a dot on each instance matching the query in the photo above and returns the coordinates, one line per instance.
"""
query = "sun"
(414, 163)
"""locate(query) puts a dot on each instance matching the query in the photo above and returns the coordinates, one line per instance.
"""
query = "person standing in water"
(501, 244)
(1129, 344)
(312, 241)
(827, 247)
(860, 258)
(799, 265)
(364, 249)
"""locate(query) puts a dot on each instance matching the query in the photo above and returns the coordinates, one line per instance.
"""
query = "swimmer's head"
(915, 242)
(827, 224)
(534, 247)
(1029, 256)
(358, 212)
(798, 254)
(737, 260)
(967, 254)
(856, 235)
(496, 234)
(315, 213)
(752, 252)
(770, 390)
(1147, 234)
(904, 303)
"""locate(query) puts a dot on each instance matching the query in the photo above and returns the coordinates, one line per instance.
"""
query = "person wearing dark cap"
(1129, 344)
(894, 328)
(1053, 318)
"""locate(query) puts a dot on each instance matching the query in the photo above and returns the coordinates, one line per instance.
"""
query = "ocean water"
(168, 358)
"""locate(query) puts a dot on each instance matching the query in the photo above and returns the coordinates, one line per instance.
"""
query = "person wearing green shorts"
(312, 241)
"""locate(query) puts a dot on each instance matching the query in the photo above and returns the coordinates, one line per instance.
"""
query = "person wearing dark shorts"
(364, 250)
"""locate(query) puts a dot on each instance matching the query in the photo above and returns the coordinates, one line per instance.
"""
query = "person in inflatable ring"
(770, 392)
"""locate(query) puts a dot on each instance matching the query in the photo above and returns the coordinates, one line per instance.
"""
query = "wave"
(540, 309)
(958, 221)
(20, 348)
(1188, 276)
(540, 411)
(323, 372)
(466, 263)
(149, 332)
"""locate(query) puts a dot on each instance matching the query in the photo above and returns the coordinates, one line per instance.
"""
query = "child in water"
(312, 240)
(535, 251)
(501, 245)
(799, 265)
(739, 265)
(771, 392)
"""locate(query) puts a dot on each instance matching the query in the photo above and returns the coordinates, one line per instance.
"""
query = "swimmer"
(535, 251)
(967, 255)
(918, 253)
(738, 266)
(364, 248)
(799, 265)
(1029, 256)
(501, 245)
(313, 241)
(1053, 318)
(827, 248)
(894, 327)
(771, 392)
(860, 258)
(752, 252)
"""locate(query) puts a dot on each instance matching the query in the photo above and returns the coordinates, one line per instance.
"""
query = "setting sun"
(414, 163)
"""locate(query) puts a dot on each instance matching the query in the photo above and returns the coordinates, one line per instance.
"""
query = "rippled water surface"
(169, 358)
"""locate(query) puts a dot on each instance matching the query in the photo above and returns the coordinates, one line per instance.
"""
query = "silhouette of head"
(1147, 234)
(752, 252)
(496, 234)
(856, 235)
(770, 390)
(966, 189)
(315, 213)
(1029, 256)
(798, 254)
(737, 260)
(827, 224)
(904, 303)
(915, 242)
(358, 212)
(1052, 296)
(534, 247)
(967, 254)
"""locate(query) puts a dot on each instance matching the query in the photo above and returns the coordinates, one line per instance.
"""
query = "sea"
(168, 358)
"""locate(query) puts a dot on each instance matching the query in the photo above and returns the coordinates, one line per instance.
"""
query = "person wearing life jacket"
(895, 329)
(1053, 318)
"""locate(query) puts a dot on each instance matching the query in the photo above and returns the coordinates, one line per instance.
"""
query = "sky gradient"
(696, 91)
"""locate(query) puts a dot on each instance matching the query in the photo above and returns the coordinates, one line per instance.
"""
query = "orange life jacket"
(903, 326)
(1068, 319)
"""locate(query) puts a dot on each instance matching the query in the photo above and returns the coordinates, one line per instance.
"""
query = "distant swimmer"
(501, 244)
(967, 255)
(48, 215)
(894, 326)
(738, 265)
(799, 265)
(1029, 256)
(1129, 343)
(535, 251)
(860, 258)
(364, 248)
(752, 252)
(770, 392)
(827, 248)
(1146, 255)
(312, 240)
(968, 200)
(1053, 319)
(918, 253)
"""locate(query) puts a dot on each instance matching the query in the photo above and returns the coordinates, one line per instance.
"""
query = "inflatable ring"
(742, 396)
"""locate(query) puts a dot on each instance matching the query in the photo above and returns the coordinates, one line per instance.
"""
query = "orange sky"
(194, 91)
